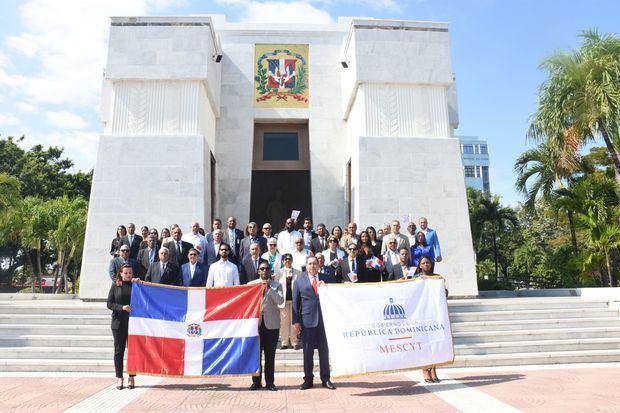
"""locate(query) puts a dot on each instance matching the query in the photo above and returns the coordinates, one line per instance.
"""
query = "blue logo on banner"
(393, 311)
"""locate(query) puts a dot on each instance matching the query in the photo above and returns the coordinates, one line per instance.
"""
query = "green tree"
(580, 100)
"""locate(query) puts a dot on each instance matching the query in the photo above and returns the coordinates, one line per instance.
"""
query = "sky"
(52, 55)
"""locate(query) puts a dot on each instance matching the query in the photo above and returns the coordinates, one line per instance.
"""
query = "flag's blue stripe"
(230, 356)
(159, 303)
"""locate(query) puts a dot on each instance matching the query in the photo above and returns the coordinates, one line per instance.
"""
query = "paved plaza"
(557, 388)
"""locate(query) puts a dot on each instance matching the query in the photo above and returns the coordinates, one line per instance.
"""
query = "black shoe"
(256, 386)
(272, 387)
(131, 385)
(429, 380)
(284, 348)
(297, 347)
(120, 387)
(306, 385)
(329, 385)
(436, 380)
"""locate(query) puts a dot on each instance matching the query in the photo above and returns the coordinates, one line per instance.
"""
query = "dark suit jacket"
(117, 262)
(344, 270)
(200, 275)
(306, 306)
(234, 249)
(315, 245)
(327, 273)
(395, 272)
(169, 277)
(134, 247)
(172, 248)
(244, 248)
(143, 259)
(211, 255)
(246, 269)
(120, 318)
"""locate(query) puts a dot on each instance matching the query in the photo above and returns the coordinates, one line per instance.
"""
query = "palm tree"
(497, 221)
(580, 100)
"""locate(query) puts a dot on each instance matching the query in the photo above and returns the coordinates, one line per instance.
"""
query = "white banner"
(386, 326)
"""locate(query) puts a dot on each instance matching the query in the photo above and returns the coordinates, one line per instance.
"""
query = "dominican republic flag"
(375, 262)
(176, 331)
(281, 73)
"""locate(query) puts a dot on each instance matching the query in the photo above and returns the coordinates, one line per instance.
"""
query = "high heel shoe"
(434, 376)
(131, 384)
(427, 376)
(120, 386)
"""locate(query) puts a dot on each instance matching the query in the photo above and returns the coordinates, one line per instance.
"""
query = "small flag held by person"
(375, 262)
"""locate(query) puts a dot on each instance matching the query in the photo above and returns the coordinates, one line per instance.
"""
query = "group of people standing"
(291, 265)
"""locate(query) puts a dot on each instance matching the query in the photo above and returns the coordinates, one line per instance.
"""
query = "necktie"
(178, 249)
(151, 256)
(314, 286)
(352, 266)
(322, 243)
(163, 268)
(256, 265)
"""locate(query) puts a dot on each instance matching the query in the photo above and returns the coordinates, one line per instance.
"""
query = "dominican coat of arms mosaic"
(281, 78)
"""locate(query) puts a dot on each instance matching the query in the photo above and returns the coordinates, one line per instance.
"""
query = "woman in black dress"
(121, 231)
(374, 242)
(118, 301)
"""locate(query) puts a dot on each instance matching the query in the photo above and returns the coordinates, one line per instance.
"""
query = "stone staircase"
(71, 335)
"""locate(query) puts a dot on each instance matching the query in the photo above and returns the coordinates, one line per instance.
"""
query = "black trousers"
(314, 338)
(268, 344)
(120, 343)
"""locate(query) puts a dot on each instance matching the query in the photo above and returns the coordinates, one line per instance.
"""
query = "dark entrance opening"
(280, 173)
(276, 193)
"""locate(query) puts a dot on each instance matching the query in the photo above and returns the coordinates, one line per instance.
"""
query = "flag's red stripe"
(155, 355)
(234, 303)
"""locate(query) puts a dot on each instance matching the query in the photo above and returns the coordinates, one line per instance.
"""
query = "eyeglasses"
(124, 250)
(273, 245)
(287, 259)
(192, 254)
(264, 269)
(353, 249)
(266, 227)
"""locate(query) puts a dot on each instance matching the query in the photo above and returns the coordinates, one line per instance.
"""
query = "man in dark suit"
(233, 236)
(248, 270)
(252, 237)
(164, 272)
(319, 244)
(193, 273)
(351, 268)
(400, 270)
(212, 252)
(148, 255)
(133, 240)
(308, 321)
(178, 248)
(217, 224)
(327, 273)
(123, 259)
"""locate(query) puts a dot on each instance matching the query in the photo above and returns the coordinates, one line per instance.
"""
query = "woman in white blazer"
(287, 276)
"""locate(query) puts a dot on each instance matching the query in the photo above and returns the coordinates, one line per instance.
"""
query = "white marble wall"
(148, 180)
(327, 136)
(424, 177)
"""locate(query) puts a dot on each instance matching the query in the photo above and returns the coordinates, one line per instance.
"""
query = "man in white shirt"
(198, 240)
(286, 243)
(402, 241)
(223, 273)
(300, 254)
(411, 230)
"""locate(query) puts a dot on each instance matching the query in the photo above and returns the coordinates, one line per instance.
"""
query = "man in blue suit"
(308, 321)
(193, 273)
(431, 239)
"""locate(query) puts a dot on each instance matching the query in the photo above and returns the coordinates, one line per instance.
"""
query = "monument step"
(57, 340)
(51, 329)
(59, 307)
(57, 319)
(610, 343)
(470, 316)
(507, 325)
(555, 357)
(493, 336)
(505, 304)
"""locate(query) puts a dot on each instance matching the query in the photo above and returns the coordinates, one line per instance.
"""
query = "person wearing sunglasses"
(287, 276)
(352, 269)
(269, 328)
(193, 273)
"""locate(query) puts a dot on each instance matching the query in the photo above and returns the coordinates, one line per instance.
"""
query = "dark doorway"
(276, 193)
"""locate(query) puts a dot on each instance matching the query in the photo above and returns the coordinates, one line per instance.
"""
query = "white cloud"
(8, 119)
(65, 120)
(279, 12)
(26, 107)
(79, 146)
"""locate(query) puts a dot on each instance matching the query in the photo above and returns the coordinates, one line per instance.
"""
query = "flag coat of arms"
(179, 331)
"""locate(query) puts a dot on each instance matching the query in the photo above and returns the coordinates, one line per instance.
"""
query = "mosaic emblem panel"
(281, 77)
